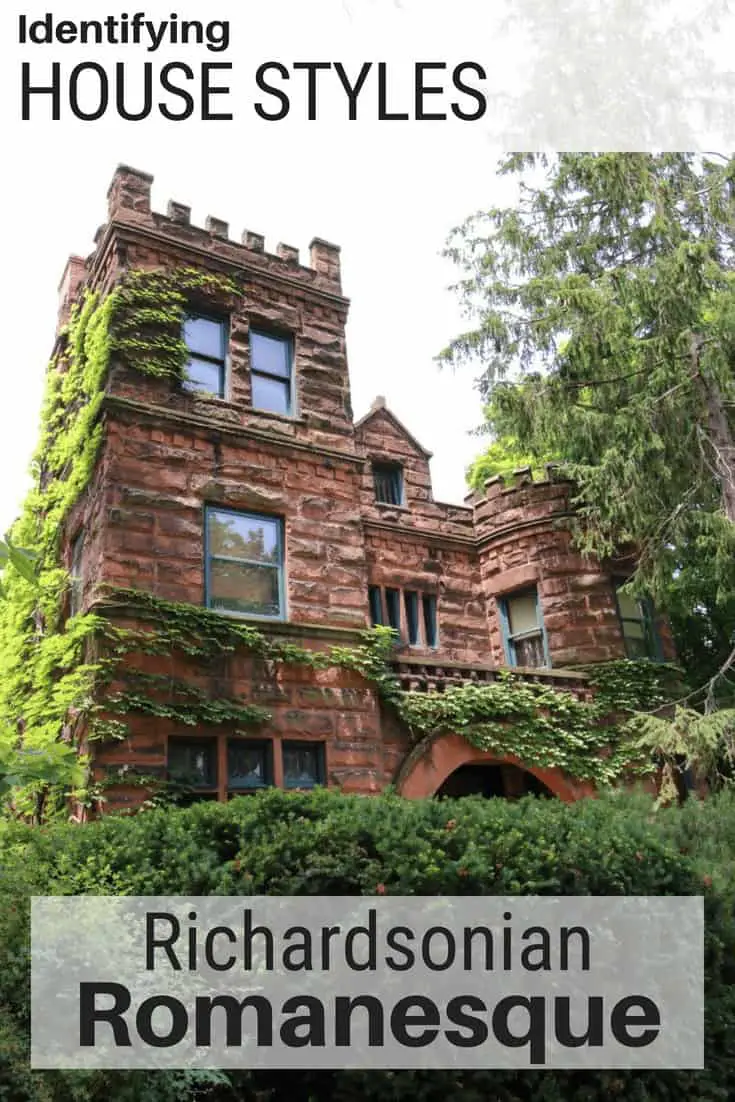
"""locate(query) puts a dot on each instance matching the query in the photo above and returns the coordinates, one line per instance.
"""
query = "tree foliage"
(608, 292)
(602, 313)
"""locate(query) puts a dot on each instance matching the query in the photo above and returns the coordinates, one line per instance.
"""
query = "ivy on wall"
(59, 676)
(548, 727)
(48, 673)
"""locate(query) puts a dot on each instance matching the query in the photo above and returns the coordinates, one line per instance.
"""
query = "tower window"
(206, 339)
(523, 633)
(420, 626)
(637, 621)
(244, 564)
(393, 606)
(376, 605)
(271, 369)
(411, 601)
(388, 481)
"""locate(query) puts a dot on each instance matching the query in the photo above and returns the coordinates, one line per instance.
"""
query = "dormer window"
(206, 339)
(388, 482)
(271, 371)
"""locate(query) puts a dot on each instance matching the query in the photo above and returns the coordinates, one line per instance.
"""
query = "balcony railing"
(424, 675)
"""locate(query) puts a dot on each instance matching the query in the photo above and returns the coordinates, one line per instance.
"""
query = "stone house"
(248, 488)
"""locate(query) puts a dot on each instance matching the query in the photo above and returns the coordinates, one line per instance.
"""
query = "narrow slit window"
(393, 608)
(376, 605)
(411, 602)
(206, 340)
(430, 629)
(388, 481)
(76, 575)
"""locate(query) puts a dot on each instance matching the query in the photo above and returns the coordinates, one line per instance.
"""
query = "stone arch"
(429, 765)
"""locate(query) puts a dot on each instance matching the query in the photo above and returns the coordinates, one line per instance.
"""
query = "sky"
(388, 193)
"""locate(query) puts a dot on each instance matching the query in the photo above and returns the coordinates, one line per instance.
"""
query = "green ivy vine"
(541, 725)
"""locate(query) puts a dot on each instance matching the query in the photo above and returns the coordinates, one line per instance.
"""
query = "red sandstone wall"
(525, 540)
(423, 545)
(167, 453)
(159, 477)
(333, 707)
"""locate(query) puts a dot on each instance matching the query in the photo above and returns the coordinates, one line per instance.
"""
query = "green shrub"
(326, 843)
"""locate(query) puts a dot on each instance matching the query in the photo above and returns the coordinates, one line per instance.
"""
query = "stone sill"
(213, 400)
(306, 631)
(280, 418)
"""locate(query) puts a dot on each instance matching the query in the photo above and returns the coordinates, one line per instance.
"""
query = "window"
(193, 763)
(77, 577)
(244, 564)
(249, 765)
(221, 767)
(388, 480)
(303, 764)
(429, 606)
(411, 601)
(206, 339)
(419, 628)
(376, 605)
(638, 624)
(523, 633)
(270, 372)
(393, 607)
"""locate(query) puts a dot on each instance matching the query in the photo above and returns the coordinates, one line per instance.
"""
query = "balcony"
(425, 675)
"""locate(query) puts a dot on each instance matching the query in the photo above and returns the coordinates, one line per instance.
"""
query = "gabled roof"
(379, 406)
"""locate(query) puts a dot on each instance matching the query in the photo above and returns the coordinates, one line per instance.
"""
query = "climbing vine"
(49, 675)
(148, 310)
(540, 725)
(60, 676)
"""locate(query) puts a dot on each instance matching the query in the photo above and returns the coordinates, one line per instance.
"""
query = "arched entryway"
(435, 766)
(491, 779)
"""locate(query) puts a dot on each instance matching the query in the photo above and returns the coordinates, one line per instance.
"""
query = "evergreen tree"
(602, 312)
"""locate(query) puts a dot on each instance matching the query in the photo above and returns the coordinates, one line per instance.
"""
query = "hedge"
(326, 843)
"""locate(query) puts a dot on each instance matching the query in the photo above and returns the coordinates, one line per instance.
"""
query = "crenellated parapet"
(129, 201)
(526, 501)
